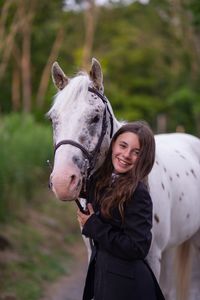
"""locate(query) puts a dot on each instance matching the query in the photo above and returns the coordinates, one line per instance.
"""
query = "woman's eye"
(122, 146)
(136, 152)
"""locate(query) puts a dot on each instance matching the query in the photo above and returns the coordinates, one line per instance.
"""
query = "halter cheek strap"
(105, 101)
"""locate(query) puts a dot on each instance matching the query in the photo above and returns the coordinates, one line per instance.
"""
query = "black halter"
(91, 157)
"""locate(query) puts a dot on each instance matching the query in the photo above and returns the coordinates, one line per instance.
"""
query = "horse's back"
(181, 141)
(175, 187)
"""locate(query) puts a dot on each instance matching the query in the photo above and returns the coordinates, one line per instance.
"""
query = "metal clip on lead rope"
(81, 207)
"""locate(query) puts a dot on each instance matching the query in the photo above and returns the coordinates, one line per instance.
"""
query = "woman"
(119, 220)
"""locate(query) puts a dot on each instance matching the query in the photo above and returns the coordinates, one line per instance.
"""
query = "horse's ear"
(59, 78)
(96, 74)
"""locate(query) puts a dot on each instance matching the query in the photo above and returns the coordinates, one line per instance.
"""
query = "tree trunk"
(3, 18)
(161, 123)
(28, 12)
(90, 23)
(16, 89)
(7, 39)
(46, 71)
(26, 68)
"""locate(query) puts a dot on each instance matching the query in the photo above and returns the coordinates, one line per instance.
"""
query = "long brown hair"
(114, 195)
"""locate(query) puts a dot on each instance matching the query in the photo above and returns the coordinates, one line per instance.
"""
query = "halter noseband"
(91, 156)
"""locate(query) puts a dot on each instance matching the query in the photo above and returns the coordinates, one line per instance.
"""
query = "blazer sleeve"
(133, 239)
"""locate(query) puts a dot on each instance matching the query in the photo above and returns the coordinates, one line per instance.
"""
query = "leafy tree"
(149, 54)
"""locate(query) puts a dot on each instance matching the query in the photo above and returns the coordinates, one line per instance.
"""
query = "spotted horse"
(83, 125)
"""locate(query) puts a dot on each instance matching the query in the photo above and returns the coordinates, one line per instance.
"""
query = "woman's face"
(125, 152)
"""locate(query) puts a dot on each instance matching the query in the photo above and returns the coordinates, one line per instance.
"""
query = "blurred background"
(150, 56)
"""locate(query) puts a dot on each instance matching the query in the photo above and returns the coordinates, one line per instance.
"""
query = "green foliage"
(40, 248)
(144, 55)
(183, 107)
(133, 62)
(194, 5)
(34, 270)
(25, 148)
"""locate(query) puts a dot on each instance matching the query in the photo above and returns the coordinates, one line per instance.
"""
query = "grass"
(40, 236)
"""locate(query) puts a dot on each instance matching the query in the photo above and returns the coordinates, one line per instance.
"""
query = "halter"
(91, 157)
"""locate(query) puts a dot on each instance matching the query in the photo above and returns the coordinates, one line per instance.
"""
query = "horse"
(83, 125)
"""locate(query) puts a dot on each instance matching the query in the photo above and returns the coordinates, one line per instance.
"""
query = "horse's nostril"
(73, 179)
(50, 184)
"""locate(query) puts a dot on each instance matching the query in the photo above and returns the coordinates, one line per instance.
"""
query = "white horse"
(83, 123)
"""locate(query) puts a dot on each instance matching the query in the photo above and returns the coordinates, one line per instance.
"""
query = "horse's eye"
(95, 119)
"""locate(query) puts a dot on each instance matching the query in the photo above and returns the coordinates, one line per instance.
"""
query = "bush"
(24, 150)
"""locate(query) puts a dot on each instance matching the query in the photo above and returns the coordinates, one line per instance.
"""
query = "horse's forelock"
(75, 90)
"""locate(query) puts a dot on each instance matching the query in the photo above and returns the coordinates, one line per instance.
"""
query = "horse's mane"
(76, 88)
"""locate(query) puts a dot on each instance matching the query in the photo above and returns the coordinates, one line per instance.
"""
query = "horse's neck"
(116, 124)
(105, 145)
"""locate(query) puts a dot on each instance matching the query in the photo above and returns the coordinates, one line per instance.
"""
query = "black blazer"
(117, 269)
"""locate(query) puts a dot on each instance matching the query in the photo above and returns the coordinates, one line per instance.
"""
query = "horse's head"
(82, 128)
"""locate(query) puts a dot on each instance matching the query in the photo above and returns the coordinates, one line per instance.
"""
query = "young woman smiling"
(119, 220)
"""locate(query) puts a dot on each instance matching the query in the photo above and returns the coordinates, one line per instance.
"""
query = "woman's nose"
(127, 153)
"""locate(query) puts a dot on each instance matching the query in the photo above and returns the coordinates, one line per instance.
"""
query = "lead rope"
(84, 211)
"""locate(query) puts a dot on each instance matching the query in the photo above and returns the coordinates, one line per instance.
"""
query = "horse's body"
(174, 180)
(174, 188)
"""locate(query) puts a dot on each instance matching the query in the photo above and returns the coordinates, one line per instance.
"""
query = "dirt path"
(70, 287)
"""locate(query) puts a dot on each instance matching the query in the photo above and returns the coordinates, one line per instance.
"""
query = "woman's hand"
(82, 218)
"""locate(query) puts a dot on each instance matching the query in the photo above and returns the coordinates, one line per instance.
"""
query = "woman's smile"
(122, 162)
